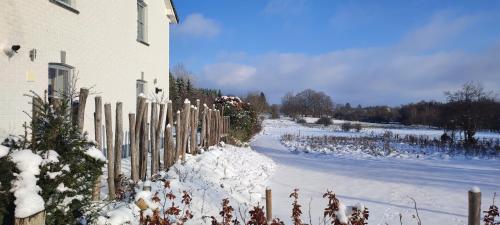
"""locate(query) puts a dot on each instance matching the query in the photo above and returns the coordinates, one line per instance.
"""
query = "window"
(67, 4)
(141, 22)
(60, 79)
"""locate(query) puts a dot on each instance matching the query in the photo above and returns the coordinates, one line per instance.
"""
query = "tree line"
(466, 110)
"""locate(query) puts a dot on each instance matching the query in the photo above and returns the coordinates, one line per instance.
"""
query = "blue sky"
(362, 52)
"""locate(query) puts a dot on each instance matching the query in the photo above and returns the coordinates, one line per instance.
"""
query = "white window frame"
(142, 21)
(57, 89)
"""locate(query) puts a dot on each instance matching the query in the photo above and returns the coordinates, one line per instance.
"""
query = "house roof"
(171, 12)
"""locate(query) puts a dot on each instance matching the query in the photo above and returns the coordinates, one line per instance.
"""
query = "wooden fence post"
(96, 190)
(170, 113)
(168, 150)
(36, 219)
(159, 127)
(152, 135)
(203, 126)
(141, 107)
(269, 204)
(474, 206)
(118, 143)
(134, 163)
(82, 101)
(192, 142)
(178, 137)
(143, 163)
(110, 150)
(209, 128)
(185, 129)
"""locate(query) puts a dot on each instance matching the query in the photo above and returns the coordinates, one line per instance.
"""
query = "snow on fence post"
(118, 143)
(110, 150)
(159, 126)
(474, 206)
(269, 204)
(178, 147)
(192, 142)
(134, 155)
(96, 190)
(153, 126)
(82, 101)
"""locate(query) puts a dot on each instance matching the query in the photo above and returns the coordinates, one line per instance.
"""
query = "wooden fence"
(152, 128)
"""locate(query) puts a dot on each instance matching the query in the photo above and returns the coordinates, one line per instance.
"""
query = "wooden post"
(192, 141)
(159, 127)
(474, 206)
(96, 190)
(269, 204)
(35, 219)
(134, 154)
(185, 129)
(178, 137)
(152, 134)
(170, 114)
(203, 126)
(168, 150)
(118, 143)
(143, 164)
(110, 150)
(209, 128)
(82, 101)
(35, 111)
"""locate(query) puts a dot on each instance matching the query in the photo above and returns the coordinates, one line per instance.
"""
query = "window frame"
(142, 22)
(51, 80)
(69, 6)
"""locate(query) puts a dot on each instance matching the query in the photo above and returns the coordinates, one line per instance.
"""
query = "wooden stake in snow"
(110, 151)
(134, 154)
(118, 143)
(178, 137)
(143, 164)
(82, 101)
(192, 141)
(168, 152)
(159, 126)
(474, 206)
(185, 129)
(36, 219)
(152, 134)
(269, 204)
(170, 113)
(96, 190)
(203, 127)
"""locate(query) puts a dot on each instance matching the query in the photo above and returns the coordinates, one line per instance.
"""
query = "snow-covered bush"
(69, 165)
(244, 119)
(7, 170)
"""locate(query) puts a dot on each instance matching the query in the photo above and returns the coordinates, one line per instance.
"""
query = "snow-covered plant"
(491, 214)
(7, 170)
(244, 118)
(339, 214)
(69, 164)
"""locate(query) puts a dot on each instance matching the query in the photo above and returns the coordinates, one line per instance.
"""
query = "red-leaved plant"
(491, 214)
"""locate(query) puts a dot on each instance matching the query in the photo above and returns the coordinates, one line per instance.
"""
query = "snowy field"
(384, 185)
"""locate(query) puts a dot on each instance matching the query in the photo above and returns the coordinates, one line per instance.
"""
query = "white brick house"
(108, 44)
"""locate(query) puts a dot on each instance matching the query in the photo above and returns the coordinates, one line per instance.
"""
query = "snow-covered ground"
(239, 174)
(384, 185)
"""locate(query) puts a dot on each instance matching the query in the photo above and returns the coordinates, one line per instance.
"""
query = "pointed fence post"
(168, 151)
(110, 150)
(143, 163)
(82, 101)
(203, 126)
(152, 134)
(170, 114)
(96, 190)
(134, 154)
(192, 142)
(185, 129)
(178, 137)
(118, 143)
(159, 126)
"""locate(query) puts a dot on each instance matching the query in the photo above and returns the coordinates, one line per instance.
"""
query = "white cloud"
(198, 26)
(410, 70)
(229, 74)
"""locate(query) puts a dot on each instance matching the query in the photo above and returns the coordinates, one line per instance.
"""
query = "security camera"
(15, 48)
